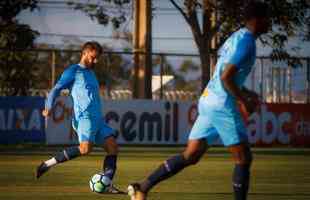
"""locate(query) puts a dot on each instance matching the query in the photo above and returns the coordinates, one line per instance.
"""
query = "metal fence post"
(290, 84)
(252, 79)
(261, 84)
(108, 81)
(53, 65)
(308, 80)
(161, 75)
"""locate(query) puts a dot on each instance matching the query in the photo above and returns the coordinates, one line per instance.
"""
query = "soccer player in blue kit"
(218, 111)
(88, 120)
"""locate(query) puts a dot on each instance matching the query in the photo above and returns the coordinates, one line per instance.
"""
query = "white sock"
(51, 162)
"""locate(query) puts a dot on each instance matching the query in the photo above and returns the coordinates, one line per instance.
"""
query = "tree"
(17, 75)
(181, 78)
(216, 19)
(189, 70)
(112, 70)
(105, 11)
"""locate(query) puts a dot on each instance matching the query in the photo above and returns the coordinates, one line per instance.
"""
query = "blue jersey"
(218, 113)
(84, 88)
(240, 50)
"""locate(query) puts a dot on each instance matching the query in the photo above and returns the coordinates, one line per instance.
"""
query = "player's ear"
(85, 52)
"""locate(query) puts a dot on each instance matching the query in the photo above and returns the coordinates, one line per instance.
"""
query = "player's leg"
(201, 132)
(105, 137)
(84, 130)
(232, 131)
(110, 160)
(192, 154)
(63, 156)
(242, 156)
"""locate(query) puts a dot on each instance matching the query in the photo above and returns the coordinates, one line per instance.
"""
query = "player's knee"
(192, 158)
(242, 155)
(112, 149)
(194, 152)
(85, 149)
(247, 157)
(111, 146)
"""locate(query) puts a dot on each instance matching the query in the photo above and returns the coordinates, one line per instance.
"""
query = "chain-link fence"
(175, 76)
(280, 82)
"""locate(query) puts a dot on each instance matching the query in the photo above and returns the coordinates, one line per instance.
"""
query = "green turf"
(276, 174)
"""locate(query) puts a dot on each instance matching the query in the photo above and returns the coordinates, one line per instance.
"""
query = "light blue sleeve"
(65, 82)
(243, 50)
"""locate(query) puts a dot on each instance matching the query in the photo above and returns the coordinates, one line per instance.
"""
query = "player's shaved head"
(256, 9)
(257, 17)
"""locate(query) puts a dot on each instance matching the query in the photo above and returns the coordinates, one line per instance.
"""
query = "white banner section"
(136, 121)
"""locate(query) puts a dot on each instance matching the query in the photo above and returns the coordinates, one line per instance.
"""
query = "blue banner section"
(21, 120)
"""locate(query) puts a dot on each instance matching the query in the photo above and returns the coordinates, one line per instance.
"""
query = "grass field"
(276, 174)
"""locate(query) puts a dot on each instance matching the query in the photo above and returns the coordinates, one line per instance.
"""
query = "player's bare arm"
(241, 95)
(229, 84)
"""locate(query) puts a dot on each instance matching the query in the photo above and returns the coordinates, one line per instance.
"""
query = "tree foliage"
(217, 19)
(183, 77)
(17, 75)
(104, 11)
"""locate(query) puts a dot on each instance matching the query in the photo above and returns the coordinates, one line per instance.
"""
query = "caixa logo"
(20, 119)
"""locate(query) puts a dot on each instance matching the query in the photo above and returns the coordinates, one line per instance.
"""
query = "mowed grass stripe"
(281, 175)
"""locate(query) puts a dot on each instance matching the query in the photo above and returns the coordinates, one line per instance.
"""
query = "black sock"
(241, 179)
(169, 168)
(68, 154)
(109, 165)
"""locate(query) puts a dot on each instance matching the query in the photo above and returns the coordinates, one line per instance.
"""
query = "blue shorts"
(222, 122)
(93, 130)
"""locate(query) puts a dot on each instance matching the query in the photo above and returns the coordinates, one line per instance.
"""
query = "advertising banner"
(164, 122)
(135, 121)
(280, 124)
(58, 125)
(21, 120)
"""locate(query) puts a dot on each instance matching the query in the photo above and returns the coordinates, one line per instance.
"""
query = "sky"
(170, 33)
(63, 21)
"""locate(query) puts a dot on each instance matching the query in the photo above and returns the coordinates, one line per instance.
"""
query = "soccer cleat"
(113, 190)
(41, 169)
(135, 193)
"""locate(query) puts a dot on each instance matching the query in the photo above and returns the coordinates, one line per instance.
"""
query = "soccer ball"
(99, 183)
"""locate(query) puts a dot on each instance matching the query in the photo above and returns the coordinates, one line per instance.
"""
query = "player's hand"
(46, 112)
(251, 101)
(251, 104)
(250, 94)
